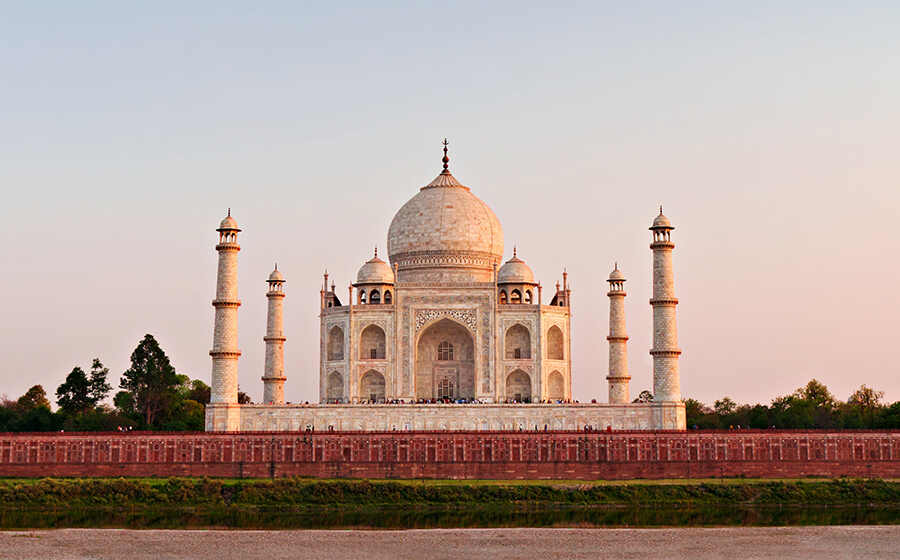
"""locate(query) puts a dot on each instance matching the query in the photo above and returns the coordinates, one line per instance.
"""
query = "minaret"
(225, 352)
(273, 374)
(665, 352)
(618, 377)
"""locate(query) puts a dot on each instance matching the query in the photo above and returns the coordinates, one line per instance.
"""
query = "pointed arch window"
(445, 352)
(387, 297)
(375, 297)
(502, 296)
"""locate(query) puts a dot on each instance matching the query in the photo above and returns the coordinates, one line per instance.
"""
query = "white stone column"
(618, 377)
(665, 351)
(273, 374)
(223, 412)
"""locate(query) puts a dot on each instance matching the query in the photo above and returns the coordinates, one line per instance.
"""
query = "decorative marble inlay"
(466, 317)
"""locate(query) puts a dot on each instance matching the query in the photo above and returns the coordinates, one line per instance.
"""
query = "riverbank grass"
(300, 492)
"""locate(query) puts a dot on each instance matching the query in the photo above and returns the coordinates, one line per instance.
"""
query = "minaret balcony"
(668, 352)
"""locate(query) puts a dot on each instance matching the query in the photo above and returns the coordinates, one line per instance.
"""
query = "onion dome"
(661, 221)
(375, 271)
(616, 274)
(228, 224)
(515, 271)
(445, 226)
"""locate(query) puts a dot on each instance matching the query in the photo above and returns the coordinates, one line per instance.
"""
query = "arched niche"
(371, 386)
(334, 388)
(555, 345)
(517, 343)
(336, 343)
(556, 386)
(518, 387)
(372, 343)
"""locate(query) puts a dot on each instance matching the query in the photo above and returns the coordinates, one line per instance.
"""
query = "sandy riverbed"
(496, 544)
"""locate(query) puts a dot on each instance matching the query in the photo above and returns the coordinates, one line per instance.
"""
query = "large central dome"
(445, 234)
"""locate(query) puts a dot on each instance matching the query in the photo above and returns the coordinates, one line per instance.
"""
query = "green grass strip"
(299, 492)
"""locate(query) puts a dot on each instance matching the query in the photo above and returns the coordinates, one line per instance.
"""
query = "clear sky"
(769, 130)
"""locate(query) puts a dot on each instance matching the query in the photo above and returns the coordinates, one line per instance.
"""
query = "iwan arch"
(445, 336)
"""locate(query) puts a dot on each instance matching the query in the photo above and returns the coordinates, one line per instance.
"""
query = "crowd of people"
(448, 400)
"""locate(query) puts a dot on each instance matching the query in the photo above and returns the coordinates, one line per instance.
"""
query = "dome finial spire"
(376, 251)
(229, 211)
(515, 250)
(445, 159)
(660, 209)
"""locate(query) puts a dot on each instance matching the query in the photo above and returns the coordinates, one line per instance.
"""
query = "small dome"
(661, 221)
(375, 271)
(616, 274)
(228, 223)
(515, 271)
(276, 276)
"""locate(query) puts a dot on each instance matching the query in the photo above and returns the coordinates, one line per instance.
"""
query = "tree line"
(810, 406)
(152, 396)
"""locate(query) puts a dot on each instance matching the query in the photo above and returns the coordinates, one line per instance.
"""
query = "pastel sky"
(769, 130)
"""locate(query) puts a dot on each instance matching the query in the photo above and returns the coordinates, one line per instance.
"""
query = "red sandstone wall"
(499, 455)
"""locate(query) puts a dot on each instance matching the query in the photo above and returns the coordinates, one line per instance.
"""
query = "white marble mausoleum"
(445, 335)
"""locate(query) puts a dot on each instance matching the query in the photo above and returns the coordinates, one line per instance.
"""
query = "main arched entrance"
(445, 362)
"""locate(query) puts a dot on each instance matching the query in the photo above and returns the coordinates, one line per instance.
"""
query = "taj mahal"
(445, 335)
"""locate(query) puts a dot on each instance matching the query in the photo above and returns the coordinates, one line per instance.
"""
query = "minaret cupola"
(228, 230)
(515, 281)
(375, 282)
(276, 281)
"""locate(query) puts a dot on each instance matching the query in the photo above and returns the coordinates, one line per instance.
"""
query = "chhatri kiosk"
(445, 336)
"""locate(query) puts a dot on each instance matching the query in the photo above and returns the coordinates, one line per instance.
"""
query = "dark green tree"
(816, 393)
(725, 406)
(699, 415)
(35, 397)
(862, 408)
(199, 392)
(99, 388)
(888, 417)
(124, 402)
(74, 395)
(151, 380)
(244, 398)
